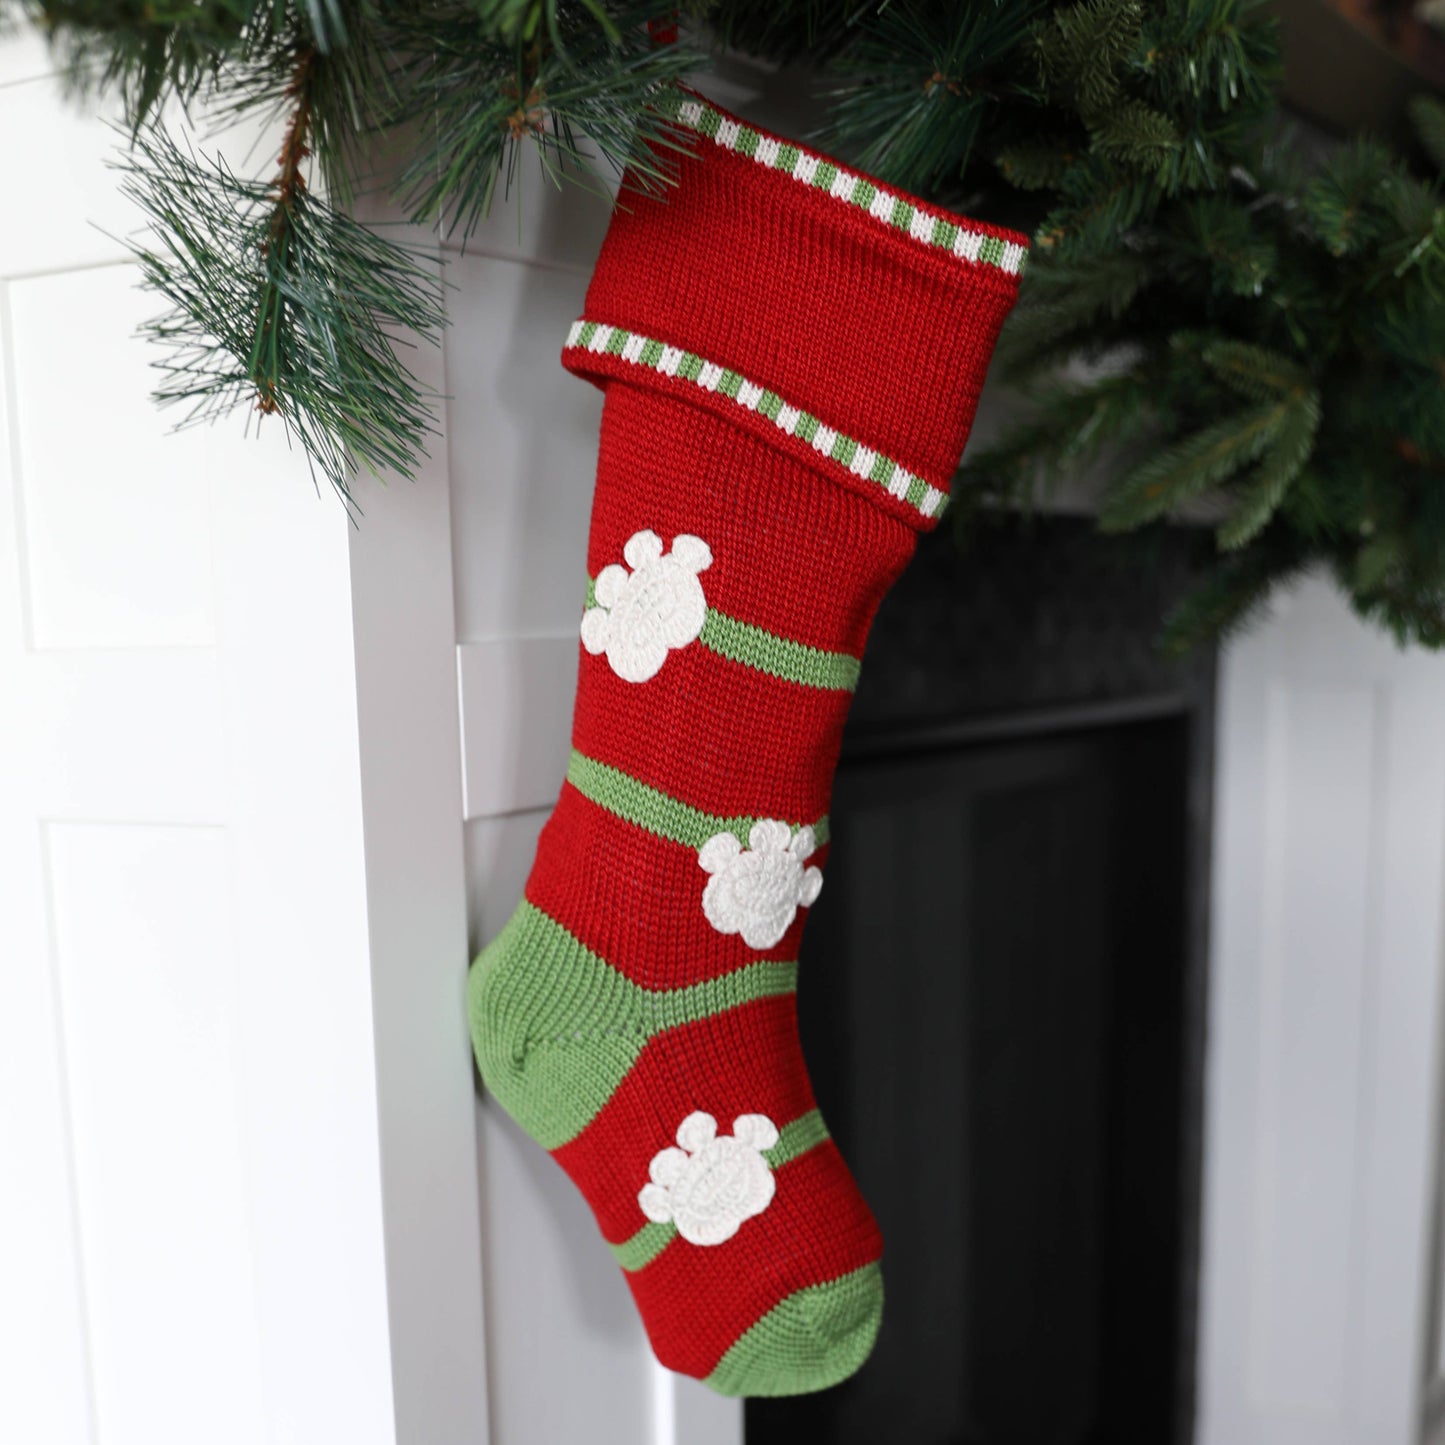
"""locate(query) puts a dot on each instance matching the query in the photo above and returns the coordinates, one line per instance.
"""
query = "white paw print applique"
(710, 1183)
(756, 890)
(659, 605)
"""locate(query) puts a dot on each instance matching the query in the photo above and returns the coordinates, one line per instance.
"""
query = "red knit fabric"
(615, 911)
(749, 1274)
(839, 313)
(791, 366)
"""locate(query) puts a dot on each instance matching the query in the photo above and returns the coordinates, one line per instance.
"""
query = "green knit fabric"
(796, 1138)
(812, 1339)
(770, 653)
(644, 1246)
(779, 657)
(554, 1060)
(649, 808)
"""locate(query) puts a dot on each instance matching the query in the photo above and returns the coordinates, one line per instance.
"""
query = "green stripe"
(553, 1057)
(779, 657)
(765, 651)
(797, 1138)
(673, 1008)
(664, 816)
(644, 1246)
(793, 1139)
(808, 1341)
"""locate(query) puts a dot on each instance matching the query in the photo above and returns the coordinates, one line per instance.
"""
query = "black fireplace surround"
(1002, 996)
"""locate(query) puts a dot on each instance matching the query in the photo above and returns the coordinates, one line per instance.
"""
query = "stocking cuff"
(846, 321)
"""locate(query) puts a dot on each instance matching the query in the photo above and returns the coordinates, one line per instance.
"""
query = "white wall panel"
(1313, 956)
(1322, 1112)
(522, 434)
(540, 222)
(82, 203)
(517, 695)
(147, 971)
(81, 397)
(403, 616)
(159, 752)
(45, 1373)
(24, 55)
(194, 1201)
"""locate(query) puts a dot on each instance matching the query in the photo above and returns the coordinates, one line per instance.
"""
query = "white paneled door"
(238, 1198)
(1323, 1089)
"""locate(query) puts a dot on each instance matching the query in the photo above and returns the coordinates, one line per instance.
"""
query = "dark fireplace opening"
(1001, 1004)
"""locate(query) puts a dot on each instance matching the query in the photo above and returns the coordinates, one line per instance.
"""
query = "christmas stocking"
(791, 355)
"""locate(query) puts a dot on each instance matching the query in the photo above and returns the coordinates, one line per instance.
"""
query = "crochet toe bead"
(791, 354)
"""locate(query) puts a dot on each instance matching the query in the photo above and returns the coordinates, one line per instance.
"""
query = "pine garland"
(1214, 315)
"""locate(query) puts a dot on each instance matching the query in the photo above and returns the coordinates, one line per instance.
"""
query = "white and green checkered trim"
(851, 455)
(822, 175)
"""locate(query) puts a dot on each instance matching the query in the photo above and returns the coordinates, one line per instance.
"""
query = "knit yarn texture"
(791, 354)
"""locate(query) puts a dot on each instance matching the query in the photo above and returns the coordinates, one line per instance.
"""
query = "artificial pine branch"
(1264, 490)
(1234, 593)
(916, 82)
(1179, 473)
(146, 51)
(1271, 325)
(579, 96)
(811, 30)
(281, 303)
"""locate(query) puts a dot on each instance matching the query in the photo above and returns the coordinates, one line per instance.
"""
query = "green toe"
(811, 1340)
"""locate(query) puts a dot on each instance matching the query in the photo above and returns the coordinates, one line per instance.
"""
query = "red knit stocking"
(791, 356)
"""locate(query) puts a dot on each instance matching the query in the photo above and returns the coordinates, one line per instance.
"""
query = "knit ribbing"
(852, 458)
(964, 240)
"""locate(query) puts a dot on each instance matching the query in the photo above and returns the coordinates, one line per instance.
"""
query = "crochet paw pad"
(755, 891)
(643, 613)
(710, 1183)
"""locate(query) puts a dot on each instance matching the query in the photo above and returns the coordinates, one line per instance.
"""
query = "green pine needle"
(1083, 48)
(1135, 133)
(1233, 594)
(1187, 469)
(1255, 372)
(586, 102)
(1264, 490)
(286, 306)
(1261, 327)
(918, 82)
